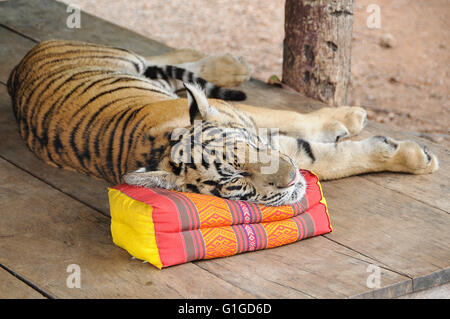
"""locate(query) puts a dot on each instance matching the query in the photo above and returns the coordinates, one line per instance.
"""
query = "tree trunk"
(317, 48)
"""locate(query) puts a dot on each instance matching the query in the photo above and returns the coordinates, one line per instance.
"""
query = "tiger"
(113, 114)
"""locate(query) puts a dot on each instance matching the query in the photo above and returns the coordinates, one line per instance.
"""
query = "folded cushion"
(166, 227)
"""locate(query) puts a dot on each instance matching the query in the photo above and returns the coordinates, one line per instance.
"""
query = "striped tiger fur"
(105, 112)
(61, 90)
(113, 114)
(170, 72)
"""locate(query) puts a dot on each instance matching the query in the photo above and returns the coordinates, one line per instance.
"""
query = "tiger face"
(222, 153)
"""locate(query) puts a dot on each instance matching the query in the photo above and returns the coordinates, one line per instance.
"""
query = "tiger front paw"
(404, 156)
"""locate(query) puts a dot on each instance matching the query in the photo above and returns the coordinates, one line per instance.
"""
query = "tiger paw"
(224, 70)
(339, 123)
(352, 117)
(404, 156)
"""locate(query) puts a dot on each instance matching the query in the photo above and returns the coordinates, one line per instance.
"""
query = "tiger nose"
(294, 178)
(290, 179)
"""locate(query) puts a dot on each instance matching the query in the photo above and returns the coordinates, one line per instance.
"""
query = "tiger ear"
(161, 179)
(199, 107)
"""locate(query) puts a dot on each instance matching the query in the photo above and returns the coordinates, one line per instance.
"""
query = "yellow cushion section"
(132, 227)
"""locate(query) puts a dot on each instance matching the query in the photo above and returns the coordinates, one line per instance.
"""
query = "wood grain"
(46, 19)
(13, 288)
(43, 231)
(13, 149)
(13, 48)
(402, 234)
(316, 267)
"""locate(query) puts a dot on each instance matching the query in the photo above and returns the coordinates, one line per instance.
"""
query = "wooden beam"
(317, 48)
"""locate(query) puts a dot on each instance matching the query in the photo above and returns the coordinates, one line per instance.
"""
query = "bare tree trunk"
(317, 48)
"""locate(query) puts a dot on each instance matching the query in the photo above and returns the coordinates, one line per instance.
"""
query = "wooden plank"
(44, 231)
(265, 95)
(46, 19)
(14, 150)
(315, 266)
(399, 232)
(13, 288)
(13, 47)
(431, 280)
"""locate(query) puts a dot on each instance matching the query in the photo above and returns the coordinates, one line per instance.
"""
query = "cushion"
(167, 227)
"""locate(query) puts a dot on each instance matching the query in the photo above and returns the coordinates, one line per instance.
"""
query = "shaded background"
(399, 72)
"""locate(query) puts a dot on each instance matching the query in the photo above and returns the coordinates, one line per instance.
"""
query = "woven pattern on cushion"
(167, 227)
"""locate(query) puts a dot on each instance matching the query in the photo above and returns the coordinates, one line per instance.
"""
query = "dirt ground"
(399, 72)
(406, 84)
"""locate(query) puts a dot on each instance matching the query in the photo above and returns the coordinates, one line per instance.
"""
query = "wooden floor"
(52, 218)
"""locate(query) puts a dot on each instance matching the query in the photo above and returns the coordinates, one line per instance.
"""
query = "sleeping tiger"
(113, 114)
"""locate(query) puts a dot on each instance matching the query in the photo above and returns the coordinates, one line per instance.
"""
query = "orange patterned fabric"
(219, 242)
(280, 233)
(212, 212)
(182, 227)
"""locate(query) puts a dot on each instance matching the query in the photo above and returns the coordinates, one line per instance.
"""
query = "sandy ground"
(404, 82)
(408, 83)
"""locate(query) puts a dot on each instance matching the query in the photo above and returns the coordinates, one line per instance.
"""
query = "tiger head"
(222, 154)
